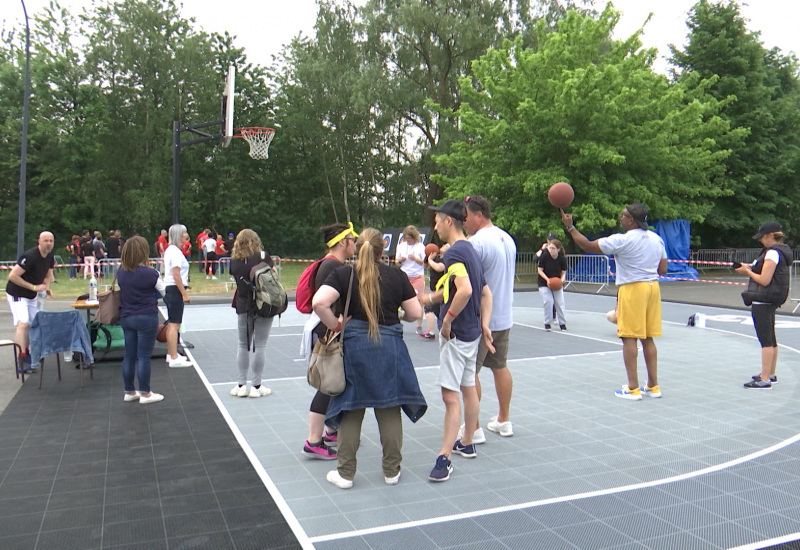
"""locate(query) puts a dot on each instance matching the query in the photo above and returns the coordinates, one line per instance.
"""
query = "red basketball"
(431, 248)
(554, 283)
(561, 194)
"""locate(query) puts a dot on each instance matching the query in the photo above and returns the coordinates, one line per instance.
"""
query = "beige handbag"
(108, 311)
(326, 365)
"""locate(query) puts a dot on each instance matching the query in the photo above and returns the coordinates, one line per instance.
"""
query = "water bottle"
(93, 288)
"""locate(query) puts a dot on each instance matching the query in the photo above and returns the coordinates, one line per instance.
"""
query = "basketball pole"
(23, 155)
(176, 157)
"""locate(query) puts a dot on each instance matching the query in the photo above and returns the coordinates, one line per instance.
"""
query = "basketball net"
(259, 140)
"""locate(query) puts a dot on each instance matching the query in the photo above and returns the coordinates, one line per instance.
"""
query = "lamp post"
(23, 156)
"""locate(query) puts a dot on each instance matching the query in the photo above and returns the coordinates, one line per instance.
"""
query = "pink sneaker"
(320, 451)
(330, 439)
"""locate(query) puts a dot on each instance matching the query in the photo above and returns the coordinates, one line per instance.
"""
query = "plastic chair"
(17, 353)
(54, 332)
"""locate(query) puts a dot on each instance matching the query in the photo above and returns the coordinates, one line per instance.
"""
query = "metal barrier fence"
(581, 268)
(794, 285)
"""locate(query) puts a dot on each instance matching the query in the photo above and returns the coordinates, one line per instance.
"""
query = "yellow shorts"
(639, 310)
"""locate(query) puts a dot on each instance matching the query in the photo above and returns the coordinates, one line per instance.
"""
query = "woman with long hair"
(176, 278)
(254, 330)
(378, 369)
(410, 257)
(138, 316)
(552, 264)
(340, 244)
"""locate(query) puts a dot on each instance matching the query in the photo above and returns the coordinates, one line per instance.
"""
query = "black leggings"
(320, 403)
(764, 323)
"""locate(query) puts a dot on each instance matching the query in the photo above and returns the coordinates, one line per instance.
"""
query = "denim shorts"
(174, 302)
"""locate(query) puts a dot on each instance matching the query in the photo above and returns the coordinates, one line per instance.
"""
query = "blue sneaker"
(442, 470)
(467, 451)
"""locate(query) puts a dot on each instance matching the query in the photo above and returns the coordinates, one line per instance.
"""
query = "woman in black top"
(553, 265)
(253, 329)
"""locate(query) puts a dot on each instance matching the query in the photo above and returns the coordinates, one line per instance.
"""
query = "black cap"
(452, 208)
(768, 227)
(639, 213)
(552, 237)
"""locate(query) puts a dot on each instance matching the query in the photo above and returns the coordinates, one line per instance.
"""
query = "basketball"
(561, 194)
(431, 248)
(612, 316)
(554, 283)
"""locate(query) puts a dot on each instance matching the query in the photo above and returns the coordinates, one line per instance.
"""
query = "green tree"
(589, 110)
(761, 170)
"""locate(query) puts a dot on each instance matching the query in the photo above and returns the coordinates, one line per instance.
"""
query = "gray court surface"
(709, 465)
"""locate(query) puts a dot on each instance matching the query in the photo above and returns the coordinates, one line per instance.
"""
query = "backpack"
(268, 294)
(305, 286)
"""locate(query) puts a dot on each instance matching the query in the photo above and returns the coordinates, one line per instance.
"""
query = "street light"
(23, 156)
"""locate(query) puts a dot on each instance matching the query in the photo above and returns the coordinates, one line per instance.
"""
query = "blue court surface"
(709, 465)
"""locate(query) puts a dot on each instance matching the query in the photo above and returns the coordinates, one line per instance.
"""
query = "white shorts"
(23, 310)
(457, 363)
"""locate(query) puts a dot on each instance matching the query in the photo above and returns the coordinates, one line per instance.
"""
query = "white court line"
(555, 500)
(768, 543)
(573, 335)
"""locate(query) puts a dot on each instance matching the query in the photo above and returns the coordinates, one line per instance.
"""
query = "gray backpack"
(268, 293)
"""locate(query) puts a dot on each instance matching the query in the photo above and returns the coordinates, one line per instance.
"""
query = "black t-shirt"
(36, 268)
(112, 247)
(229, 246)
(86, 247)
(552, 267)
(240, 271)
(326, 267)
(395, 289)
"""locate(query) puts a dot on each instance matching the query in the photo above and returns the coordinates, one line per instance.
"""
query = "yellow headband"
(346, 233)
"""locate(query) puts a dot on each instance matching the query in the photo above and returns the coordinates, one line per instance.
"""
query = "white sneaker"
(131, 396)
(502, 428)
(179, 362)
(178, 356)
(152, 398)
(235, 390)
(342, 483)
(259, 392)
(213, 277)
(393, 480)
(477, 438)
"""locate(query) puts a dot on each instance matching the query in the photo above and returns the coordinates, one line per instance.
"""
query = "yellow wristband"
(34, 288)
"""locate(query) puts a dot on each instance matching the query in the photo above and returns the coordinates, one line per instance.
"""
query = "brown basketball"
(431, 248)
(561, 194)
(554, 283)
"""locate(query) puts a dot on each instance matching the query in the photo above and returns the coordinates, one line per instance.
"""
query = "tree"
(589, 110)
(764, 92)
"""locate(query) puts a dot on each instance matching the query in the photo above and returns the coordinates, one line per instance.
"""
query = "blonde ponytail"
(370, 247)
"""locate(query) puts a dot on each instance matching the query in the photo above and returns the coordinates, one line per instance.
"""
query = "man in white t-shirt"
(641, 257)
(210, 249)
(498, 254)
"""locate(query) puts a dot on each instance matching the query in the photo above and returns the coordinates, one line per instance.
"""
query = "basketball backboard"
(227, 106)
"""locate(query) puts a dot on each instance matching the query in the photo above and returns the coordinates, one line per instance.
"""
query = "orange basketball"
(431, 248)
(554, 283)
(561, 194)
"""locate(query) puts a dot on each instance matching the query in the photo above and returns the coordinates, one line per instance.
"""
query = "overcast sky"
(263, 26)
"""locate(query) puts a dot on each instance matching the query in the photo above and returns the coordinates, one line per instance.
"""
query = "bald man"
(31, 276)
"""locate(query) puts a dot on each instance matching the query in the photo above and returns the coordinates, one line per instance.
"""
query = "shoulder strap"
(347, 301)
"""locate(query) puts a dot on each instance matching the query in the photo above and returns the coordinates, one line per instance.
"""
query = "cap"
(552, 237)
(231, 235)
(768, 227)
(452, 208)
(639, 213)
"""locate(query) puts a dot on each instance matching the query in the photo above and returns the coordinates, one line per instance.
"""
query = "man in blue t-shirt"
(464, 317)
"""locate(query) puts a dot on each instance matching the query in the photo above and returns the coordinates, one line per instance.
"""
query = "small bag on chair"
(326, 366)
(108, 311)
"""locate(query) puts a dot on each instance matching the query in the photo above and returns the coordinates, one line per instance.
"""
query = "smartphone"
(737, 265)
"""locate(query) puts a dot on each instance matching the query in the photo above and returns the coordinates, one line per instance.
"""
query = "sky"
(263, 26)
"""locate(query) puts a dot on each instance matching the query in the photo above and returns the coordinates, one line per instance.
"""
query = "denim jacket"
(57, 331)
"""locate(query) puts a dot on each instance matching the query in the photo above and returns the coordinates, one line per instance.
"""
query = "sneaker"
(235, 390)
(502, 428)
(773, 379)
(548, 328)
(177, 363)
(214, 277)
(562, 327)
(331, 440)
(467, 451)
(178, 356)
(419, 331)
(25, 359)
(441, 470)
(627, 393)
(393, 480)
(478, 437)
(152, 398)
(24, 369)
(429, 335)
(208, 277)
(342, 483)
(655, 391)
(758, 385)
(131, 396)
(320, 451)
(259, 392)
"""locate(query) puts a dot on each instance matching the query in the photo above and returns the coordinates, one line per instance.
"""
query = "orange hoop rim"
(253, 129)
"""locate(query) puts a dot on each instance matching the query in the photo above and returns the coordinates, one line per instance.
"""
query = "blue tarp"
(676, 235)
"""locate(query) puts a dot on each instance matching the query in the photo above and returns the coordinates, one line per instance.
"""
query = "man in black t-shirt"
(32, 275)
(113, 247)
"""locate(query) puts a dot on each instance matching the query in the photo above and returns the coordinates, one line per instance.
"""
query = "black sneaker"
(547, 328)
(563, 327)
(758, 385)
(773, 379)
(467, 451)
(442, 470)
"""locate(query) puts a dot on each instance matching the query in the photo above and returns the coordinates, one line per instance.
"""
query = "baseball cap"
(552, 237)
(452, 208)
(639, 213)
(231, 235)
(768, 227)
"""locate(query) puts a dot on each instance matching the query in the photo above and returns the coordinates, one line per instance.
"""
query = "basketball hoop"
(258, 139)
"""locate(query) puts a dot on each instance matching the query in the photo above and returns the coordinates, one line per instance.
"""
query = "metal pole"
(23, 156)
(176, 172)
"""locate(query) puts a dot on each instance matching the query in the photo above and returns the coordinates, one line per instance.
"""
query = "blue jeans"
(140, 339)
(73, 267)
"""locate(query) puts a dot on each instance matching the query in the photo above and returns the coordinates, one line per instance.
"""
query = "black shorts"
(174, 302)
(764, 323)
